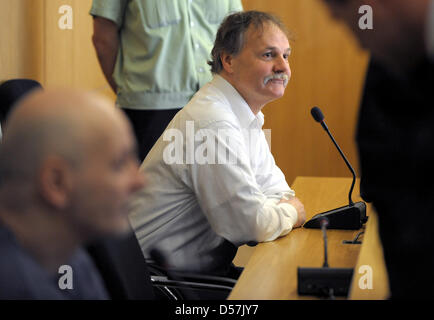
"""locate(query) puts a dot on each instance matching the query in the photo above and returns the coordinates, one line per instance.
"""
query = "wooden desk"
(371, 255)
(271, 273)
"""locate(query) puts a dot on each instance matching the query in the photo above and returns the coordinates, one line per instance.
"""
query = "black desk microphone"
(324, 281)
(350, 217)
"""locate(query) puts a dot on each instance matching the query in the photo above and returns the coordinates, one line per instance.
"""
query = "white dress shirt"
(196, 209)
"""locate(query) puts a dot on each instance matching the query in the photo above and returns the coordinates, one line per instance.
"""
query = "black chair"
(13, 90)
(176, 285)
(123, 268)
(128, 276)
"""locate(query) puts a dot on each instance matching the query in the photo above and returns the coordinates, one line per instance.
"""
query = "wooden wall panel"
(33, 46)
(21, 37)
(60, 62)
(328, 69)
(70, 58)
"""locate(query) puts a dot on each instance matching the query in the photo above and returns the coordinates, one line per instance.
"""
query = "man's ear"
(227, 62)
(55, 181)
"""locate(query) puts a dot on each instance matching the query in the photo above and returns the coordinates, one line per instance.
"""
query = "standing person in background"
(395, 135)
(154, 55)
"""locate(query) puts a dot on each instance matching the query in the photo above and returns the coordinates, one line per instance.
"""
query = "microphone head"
(317, 114)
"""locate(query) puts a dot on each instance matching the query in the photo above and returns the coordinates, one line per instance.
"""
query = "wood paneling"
(21, 37)
(70, 58)
(327, 66)
(33, 45)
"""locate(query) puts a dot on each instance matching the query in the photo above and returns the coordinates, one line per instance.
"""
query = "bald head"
(63, 123)
(68, 166)
(70, 155)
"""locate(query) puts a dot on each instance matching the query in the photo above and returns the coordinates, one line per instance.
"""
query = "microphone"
(324, 222)
(350, 217)
(324, 281)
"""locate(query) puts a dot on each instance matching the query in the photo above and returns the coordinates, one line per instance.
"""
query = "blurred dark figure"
(396, 135)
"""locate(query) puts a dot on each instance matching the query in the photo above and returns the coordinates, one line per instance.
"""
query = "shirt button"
(201, 69)
(192, 24)
(196, 45)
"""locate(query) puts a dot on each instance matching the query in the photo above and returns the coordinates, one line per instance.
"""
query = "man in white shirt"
(213, 184)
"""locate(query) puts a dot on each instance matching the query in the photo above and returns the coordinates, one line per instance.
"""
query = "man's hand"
(301, 213)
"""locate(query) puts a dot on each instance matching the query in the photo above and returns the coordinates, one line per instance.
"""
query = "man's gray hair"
(230, 36)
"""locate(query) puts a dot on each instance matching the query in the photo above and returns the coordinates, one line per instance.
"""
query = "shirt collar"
(429, 33)
(239, 106)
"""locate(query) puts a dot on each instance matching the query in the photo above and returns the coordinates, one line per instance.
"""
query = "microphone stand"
(350, 217)
(324, 281)
(350, 201)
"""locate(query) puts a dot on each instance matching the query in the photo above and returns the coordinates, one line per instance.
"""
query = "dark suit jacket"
(395, 138)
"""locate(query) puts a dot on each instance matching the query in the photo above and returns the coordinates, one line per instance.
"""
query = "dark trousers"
(148, 126)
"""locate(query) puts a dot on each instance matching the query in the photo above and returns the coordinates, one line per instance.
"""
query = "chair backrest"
(128, 276)
(13, 90)
(183, 285)
(123, 268)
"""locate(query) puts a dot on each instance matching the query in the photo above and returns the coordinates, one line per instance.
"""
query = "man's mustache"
(277, 76)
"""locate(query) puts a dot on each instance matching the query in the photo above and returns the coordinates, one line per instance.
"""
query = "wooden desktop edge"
(370, 280)
(370, 255)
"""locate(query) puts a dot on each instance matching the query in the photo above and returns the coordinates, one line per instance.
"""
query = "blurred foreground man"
(67, 169)
(396, 135)
(213, 182)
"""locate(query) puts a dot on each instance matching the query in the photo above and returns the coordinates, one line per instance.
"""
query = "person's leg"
(148, 126)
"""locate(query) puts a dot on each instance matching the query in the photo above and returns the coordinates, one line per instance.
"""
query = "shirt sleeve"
(236, 6)
(229, 195)
(269, 176)
(113, 10)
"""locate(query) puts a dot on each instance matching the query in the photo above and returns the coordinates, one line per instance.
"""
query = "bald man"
(68, 166)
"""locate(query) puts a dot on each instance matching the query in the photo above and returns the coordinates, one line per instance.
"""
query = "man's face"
(264, 54)
(105, 183)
